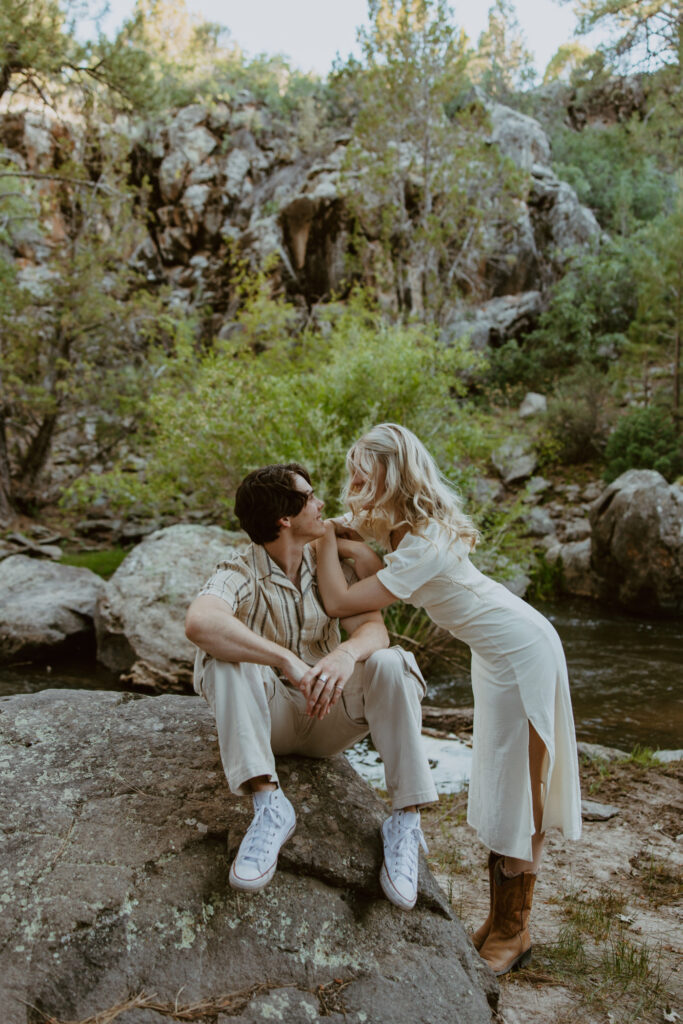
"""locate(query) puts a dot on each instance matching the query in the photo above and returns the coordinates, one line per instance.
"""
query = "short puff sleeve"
(415, 561)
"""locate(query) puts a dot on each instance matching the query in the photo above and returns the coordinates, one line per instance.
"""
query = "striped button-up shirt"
(265, 599)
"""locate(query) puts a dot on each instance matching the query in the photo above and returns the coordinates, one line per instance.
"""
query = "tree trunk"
(677, 350)
(38, 451)
(6, 507)
(5, 75)
(677, 377)
(9, 65)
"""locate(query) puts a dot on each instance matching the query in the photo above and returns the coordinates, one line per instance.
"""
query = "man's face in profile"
(307, 525)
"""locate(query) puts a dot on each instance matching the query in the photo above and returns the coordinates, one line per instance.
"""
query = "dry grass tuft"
(230, 1004)
(330, 998)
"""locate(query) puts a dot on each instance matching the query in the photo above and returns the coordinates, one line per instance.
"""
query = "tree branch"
(38, 175)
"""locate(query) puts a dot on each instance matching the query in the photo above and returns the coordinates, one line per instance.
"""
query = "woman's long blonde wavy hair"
(414, 491)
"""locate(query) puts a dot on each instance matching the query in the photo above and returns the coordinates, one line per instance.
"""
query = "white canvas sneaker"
(273, 823)
(402, 838)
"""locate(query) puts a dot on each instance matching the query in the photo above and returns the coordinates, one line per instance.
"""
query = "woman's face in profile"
(359, 480)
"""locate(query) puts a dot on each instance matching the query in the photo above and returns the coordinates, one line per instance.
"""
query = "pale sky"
(311, 32)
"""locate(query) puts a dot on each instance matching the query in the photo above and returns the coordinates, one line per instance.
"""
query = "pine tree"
(40, 56)
(647, 32)
(423, 176)
(72, 335)
(502, 64)
(659, 265)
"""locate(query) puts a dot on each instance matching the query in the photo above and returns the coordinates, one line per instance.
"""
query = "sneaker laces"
(262, 833)
(403, 846)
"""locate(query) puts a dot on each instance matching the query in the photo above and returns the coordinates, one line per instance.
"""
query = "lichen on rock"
(118, 831)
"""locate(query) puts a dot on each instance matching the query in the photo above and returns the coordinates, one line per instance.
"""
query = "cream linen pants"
(259, 716)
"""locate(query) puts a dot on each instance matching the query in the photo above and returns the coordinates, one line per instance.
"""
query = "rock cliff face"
(118, 833)
(223, 176)
(219, 179)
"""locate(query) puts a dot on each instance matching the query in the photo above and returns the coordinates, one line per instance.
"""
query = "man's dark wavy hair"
(267, 495)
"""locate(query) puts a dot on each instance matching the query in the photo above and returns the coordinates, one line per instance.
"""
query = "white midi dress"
(519, 675)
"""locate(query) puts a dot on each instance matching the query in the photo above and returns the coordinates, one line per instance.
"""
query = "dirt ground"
(606, 924)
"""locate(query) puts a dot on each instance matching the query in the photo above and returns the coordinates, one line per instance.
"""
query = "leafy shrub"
(547, 579)
(435, 648)
(590, 310)
(644, 439)
(269, 395)
(577, 417)
(611, 173)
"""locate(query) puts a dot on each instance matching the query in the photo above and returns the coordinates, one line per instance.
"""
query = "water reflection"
(626, 676)
(81, 675)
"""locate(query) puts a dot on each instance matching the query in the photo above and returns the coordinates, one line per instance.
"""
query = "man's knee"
(386, 662)
(394, 668)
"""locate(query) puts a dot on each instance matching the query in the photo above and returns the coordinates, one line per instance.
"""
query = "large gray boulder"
(119, 829)
(575, 559)
(561, 224)
(47, 608)
(496, 321)
(141, 613)
(637, 543)
(519, 137)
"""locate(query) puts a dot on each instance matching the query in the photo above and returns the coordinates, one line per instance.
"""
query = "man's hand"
(326, 680)
(296, 671)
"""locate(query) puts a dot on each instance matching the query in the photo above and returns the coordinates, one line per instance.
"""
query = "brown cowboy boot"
(508, 944)
(479, 937)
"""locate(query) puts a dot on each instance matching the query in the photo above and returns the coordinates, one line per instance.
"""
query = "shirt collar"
(265, 567)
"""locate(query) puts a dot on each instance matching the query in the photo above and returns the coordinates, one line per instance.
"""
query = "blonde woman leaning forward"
(524, 762)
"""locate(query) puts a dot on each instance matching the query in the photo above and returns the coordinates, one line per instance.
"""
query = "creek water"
(626, 676)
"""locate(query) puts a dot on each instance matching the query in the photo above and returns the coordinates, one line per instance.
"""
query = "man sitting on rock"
(279, 681)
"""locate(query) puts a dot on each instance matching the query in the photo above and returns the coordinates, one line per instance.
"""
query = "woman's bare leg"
(537, 752)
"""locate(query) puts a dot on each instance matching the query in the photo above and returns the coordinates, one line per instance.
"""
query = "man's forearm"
(226, 638)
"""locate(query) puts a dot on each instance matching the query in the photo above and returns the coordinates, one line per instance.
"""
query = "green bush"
(547, 579)
(589, 312)
(270, 395)
(612, 173)
(577, 417)
(644, 439)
